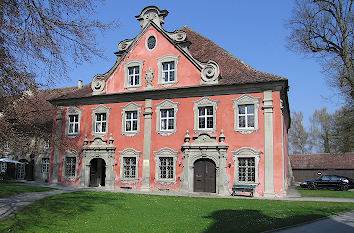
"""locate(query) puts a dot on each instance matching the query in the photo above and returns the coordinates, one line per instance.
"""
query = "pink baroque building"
(176, 112)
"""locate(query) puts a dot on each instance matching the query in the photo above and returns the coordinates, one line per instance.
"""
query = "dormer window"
(168, 70)
(133, 72)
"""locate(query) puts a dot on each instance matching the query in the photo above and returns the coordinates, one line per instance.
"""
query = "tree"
(39, 39)
(297, 136)
(324, 28)
(320, 131)
(343, 129)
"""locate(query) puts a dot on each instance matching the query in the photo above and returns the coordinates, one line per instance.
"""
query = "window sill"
(246, 130)
(130, 134)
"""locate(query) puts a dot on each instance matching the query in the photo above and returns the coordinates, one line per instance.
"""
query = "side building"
(175, 112)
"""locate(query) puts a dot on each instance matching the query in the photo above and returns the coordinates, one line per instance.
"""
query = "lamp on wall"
(179, 163)
(115, 163)
(229, 165)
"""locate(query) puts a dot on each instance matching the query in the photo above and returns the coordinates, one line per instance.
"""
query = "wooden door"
(204, 176)
(93, 173)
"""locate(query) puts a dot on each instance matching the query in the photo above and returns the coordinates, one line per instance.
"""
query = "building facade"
(176, 113)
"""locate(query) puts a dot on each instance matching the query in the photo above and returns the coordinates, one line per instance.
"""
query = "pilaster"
(147, 145)
(268, 145)
(57, 143)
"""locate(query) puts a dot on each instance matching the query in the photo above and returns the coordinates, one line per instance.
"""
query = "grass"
(9, 189)
(325, 193)
(118, 212)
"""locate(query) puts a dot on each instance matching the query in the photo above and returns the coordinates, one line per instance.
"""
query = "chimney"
(79, 84)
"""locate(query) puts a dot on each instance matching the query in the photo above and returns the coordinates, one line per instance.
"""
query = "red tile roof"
(233, 70)
(322, 161)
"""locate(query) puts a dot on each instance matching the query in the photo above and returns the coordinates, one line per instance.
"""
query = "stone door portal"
(204, 176)
(97, 172)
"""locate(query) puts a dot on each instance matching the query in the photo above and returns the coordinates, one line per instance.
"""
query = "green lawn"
(325, 193)
(119, 212)
(9, 189)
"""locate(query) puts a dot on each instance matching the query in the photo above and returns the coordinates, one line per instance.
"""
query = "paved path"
(14, 203)
(343, 223)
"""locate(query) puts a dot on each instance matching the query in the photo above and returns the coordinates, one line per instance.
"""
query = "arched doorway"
(204, 176)
(97, 172)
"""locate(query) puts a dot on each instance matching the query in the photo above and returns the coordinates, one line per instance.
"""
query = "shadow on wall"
(252, 221)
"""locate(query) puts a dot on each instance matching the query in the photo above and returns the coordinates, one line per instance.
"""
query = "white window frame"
(165, 59)
(70, 112)
(246, 100)
(70, 154)
(45, 166)
(204, 102)
(147, 40)
(246, 152)
(100, 109)
(166, 104)
(131, 107)
(162, 153)
(129, 152)
(130, 64)
(129, 117)
(3, 167)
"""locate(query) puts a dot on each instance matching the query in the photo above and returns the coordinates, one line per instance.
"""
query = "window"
(73, 117)
(129, 168)
(246, 114)
(166, 160)
(166, 168)
(205, 115)
(133, 76)
(100, 116)
(133, 72)
(3, 167)
(131, 119)
(70, 166)
(129, 161)
(47, 145)
(167, 119)
(45, 165)
(246, 166)
(100, 123)
(168, 70)
(246, 170)
(73, 124)
(166, 112)
(151, 42)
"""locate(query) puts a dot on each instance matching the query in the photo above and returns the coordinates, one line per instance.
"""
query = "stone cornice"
(178, 92)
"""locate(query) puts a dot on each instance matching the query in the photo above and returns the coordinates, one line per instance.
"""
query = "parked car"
(329, 182)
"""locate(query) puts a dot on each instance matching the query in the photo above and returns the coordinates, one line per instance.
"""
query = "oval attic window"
(151, 42)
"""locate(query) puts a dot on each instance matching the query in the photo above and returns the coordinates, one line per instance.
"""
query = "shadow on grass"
(252, 221)
(58, 209)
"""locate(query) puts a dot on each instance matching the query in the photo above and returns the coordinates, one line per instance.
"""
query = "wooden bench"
(242, 188)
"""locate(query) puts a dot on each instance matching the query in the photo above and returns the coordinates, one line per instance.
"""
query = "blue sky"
(252, 30)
